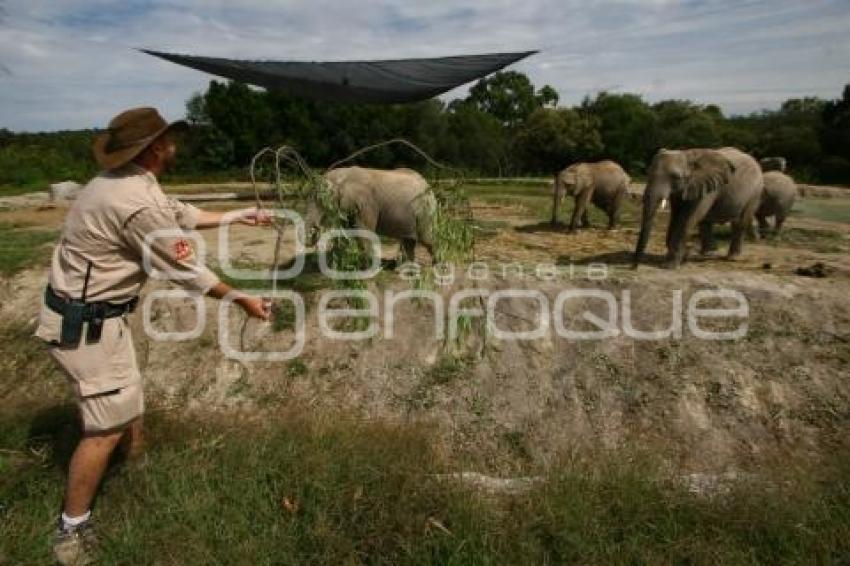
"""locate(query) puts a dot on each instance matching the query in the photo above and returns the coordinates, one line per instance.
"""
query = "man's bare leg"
(133, 441)
(75, 539)
(86, 470)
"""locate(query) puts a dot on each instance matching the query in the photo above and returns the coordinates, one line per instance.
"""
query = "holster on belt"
(76, 312)
(72, 323)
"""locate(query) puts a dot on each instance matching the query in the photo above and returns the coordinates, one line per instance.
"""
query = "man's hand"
(255, 217)
(248, 216)
(257, 307)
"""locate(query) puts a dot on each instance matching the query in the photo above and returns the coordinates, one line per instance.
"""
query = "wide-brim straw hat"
(129, 134)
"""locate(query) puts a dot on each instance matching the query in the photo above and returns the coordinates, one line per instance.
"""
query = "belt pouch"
(72, 324)
(95, 324)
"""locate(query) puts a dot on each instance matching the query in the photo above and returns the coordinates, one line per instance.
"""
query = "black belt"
(75, 312)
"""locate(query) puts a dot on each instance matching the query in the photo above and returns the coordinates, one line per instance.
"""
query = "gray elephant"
(773, 164)
(605, 184)
(705, 186)
(395, 203)
(780, 192)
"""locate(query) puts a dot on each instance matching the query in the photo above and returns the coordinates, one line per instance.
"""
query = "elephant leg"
(580, 210)
(706, 236)
(738, 228)
(366, 249)
(426, 239)
(676, 239)
(737, 239)
(367, 222)
(430, 247)
(585, 219)
(671, 229)
(763, 226)
(753, 233)
(408, 249)
(677, 215)
(689, 217)
(575, 216)
(614, 210)
(778, 222)
(557, 195)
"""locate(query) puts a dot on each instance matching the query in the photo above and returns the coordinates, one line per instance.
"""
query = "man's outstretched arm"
(257, 307)
(247, 216)
(175, 257)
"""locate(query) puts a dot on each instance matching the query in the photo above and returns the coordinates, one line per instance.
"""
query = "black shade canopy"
(391, 81)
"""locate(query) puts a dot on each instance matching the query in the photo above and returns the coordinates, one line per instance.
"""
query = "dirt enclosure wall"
(706, 404)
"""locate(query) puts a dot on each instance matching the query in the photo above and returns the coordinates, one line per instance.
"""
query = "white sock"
(71, 522)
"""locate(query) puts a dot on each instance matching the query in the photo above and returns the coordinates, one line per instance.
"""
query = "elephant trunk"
(556, 199)
(650, 207)
(312, 223)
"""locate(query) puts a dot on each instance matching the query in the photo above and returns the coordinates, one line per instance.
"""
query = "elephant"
(773, 164)
(779, 195)
(395, 203)
(705, 186)
(603, 183)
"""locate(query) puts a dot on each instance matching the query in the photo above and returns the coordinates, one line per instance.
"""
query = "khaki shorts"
(112, 410)
(104, 376)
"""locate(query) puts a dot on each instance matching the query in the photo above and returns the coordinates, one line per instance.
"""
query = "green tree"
(681, 124)
(243, 115)
(206, 147)
(835, 138)
(426, 124)
(737, 133)
(547, 97)
(510, 97)
(476, 141)
(551, 139)
(803, 111)
(627, 126)
(793, 132)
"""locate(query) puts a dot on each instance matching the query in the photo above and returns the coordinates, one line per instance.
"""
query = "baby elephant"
(395, 203)
(780, 191)
(603, 183)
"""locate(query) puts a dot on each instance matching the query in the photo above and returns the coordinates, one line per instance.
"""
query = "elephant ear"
(569, 176)
(585, 175)
(709, 171)
(564, 179)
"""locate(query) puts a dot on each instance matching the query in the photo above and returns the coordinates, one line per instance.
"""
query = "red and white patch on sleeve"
(183, 250)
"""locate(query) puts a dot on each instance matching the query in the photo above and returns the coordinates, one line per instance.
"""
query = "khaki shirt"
(107, 226)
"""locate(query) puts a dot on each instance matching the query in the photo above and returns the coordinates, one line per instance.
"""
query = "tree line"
(504, 127)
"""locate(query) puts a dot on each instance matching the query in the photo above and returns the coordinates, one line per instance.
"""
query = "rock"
(491, 485)
(707, 484)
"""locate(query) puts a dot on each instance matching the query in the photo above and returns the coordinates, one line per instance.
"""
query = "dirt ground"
(781, 390)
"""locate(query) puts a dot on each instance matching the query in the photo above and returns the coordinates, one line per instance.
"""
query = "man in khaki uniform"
(95, 277)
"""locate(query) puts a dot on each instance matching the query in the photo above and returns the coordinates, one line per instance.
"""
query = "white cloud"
(72, 65)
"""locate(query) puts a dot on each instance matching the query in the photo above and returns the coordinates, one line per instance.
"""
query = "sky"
(71, 64)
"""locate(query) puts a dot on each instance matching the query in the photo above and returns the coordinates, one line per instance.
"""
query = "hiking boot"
(74, 546)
